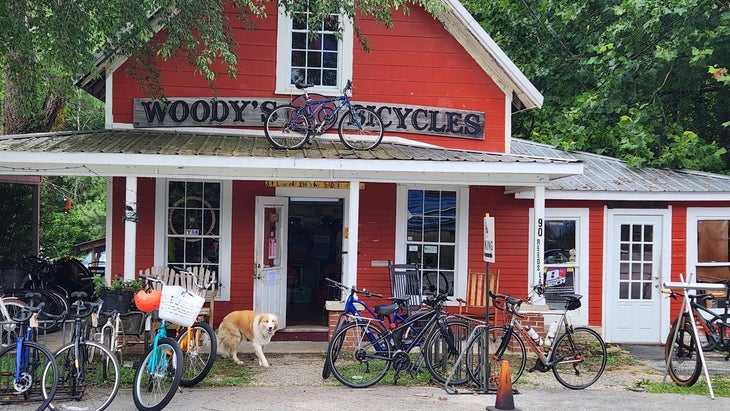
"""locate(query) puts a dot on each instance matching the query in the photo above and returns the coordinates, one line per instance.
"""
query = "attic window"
(320, 58)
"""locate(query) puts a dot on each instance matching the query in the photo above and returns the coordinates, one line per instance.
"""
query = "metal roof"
(155, 153)
(603, 176)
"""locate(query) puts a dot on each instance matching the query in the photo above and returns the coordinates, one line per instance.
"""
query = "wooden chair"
(405, 281)
(474, 305)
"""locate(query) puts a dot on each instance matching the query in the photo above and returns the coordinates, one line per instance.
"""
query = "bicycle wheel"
(286, 127)
(354, 360)
(441, 351)
(582, 355)
(94, 385)
(685, 365)
(8, 328)
(38, 382)
(500, 349)
(360, 128)
(199, 351)
(326, 370)
(158, 375)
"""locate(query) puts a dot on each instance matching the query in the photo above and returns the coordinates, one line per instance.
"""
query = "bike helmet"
(147, 301)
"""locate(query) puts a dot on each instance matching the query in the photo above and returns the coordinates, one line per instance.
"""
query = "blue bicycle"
(290, 126)
(28, 372)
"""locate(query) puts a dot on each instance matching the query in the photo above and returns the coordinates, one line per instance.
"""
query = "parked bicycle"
(362, 352)
(289, 126)
(680, 350)
(28, 372)
(9, 308)
(577, 356)
(85, 382)
(158, 374)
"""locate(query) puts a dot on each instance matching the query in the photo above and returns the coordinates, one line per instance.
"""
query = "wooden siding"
(421, 61)
(377, 236)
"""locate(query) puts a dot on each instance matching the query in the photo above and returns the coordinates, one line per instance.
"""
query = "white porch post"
(539, 235)
(349, 276)
(130, 227)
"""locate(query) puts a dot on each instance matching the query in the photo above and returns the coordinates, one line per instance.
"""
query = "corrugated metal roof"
(608, 174)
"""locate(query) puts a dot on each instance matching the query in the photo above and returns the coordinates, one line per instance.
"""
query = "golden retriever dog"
(255, 327)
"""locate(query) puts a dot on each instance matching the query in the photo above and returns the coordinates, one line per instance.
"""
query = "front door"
(636, 261)
(270, 277)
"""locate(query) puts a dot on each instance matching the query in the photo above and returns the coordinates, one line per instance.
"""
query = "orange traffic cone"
(504, 399)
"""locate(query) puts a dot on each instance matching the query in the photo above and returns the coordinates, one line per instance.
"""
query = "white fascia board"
(625, 195)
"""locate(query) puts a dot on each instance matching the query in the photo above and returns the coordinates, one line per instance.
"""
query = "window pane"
(448, 230)
(415, 228)
(314, 45)
(431, 229)
(329, 77)
(448, 204)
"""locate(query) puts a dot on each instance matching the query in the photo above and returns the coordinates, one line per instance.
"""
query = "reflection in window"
(713, 250)
(314, 56)
(193, 226)
(560, 260)
(431, 236)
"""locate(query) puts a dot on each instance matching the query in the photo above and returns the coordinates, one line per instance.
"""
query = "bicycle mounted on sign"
(290, 126)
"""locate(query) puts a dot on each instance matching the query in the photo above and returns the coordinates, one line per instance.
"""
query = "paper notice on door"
(271, 277)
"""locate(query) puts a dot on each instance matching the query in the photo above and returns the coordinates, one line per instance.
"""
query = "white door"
(269, 289)
(636, 260)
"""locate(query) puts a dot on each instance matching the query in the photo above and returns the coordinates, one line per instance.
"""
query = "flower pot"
(117, 300)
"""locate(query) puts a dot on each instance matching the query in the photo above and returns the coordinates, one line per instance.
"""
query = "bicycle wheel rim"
(199, 353)
(100, 382)
(286, 128)
(513, 351)
(681, 354)
(360, 129)
(583, 355)
(439, 357)
(40, 385)
(152, 391)
(354, 360)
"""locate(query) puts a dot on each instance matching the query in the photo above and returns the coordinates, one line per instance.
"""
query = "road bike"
(681, 348)
(85, 382)
(158, 374)
(9, 308)
(577, 356)
(290, 126)
(362, 352)
(28, 372)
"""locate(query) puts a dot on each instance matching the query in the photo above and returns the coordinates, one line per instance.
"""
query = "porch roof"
(152, 153)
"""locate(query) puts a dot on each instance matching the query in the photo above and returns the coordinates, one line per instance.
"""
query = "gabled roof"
(148, 153)
(456, 20)
(607, 178)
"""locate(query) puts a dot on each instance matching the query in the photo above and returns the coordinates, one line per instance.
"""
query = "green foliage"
(60, 228)
(15, 223)
(626, 78)
(117, 284)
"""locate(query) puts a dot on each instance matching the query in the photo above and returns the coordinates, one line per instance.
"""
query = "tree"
(624, 78)
(46, 45)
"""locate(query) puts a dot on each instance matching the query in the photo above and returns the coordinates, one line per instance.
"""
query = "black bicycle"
(290, 126)
(361, 352)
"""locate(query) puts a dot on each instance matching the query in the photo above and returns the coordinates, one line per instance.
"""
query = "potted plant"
(119, 294)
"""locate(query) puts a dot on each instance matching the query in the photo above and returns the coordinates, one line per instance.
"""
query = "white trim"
(283, 58)
(462, 239)
(621, 195)
(508, 123)
(109, 105)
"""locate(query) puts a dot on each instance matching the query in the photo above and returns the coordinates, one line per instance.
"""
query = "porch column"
(349, 275)
(130, 227)
(539, 235)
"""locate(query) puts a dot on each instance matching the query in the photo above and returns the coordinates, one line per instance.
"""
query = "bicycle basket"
(179, 306)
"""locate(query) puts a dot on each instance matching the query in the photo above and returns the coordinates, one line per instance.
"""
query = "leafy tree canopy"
(624, 78)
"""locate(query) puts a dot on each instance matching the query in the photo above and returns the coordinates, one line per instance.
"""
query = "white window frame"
(581, 216)
(694, 215)
(160, 249)
(462, 231)
(283, 58)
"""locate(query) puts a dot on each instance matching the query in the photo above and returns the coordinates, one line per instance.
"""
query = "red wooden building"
(197, 183)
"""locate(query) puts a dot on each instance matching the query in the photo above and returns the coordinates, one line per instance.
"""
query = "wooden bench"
(474, 305)
(202, 276)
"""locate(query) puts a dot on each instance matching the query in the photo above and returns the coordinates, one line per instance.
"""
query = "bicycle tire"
(153, 391)
(199, 354)
(42, 378)
(360, 128)
(286, 127)
(513, 351)
(55, 304)
(326, 370)
(354, 360)
(440, 360)
(441, 286)
(584, 357)
(9, 328)
(99, 385)
(684, 365)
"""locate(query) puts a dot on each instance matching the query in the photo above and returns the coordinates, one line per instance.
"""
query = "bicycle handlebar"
(352, 289)
(507, 303)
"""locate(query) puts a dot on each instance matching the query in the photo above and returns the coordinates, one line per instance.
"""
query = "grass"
(720, 386)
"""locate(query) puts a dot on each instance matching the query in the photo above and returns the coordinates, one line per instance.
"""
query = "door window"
(636, 261)
(561, 260)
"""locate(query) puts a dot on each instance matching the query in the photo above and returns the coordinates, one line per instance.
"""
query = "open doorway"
(314, 253)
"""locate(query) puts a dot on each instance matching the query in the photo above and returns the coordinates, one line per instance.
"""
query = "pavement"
(293, 382)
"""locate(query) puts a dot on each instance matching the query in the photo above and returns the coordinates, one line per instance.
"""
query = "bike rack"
(685, 286)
